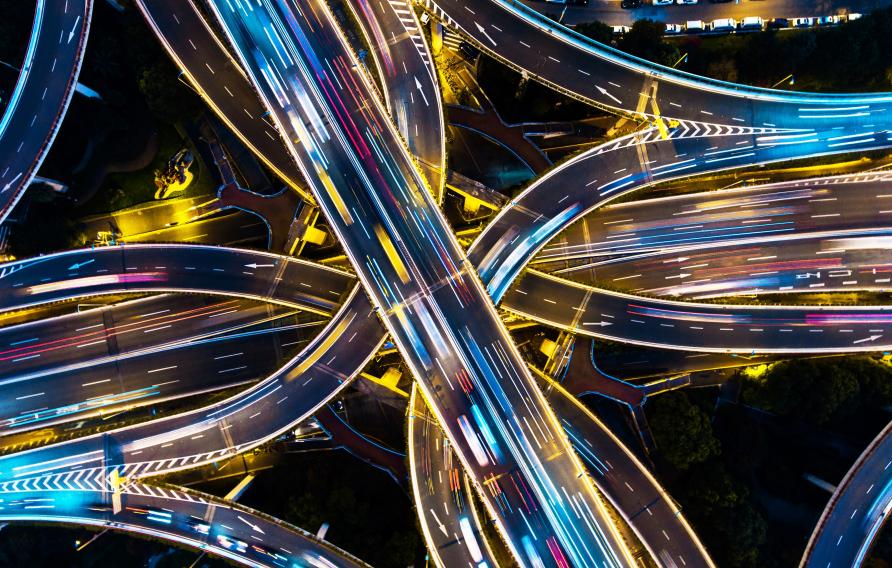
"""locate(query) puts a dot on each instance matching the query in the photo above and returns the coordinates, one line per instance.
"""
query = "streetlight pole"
(790, 77)
(680, 59)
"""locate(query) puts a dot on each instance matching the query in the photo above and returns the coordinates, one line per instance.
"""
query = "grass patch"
(122, 190)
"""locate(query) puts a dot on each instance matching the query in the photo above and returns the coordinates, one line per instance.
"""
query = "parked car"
(751, 23)
(672, 29)
(800, 23)
(695, 26)
(778, 23)
(853, 16)
(685, 1)
(663, 2)
(723, 25)
(620, 30)
(828, 21)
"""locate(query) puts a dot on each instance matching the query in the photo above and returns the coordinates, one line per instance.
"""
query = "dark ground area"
(369, 515)
(15, 29)
(739, 469)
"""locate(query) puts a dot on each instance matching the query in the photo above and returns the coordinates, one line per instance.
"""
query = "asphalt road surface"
(202, 521)
(272, 406)
(766, 214)
(834, 264)
(218, 78)
(40, 98)
(180, 268)
(856, 512)
(385, 197)
(412, 93)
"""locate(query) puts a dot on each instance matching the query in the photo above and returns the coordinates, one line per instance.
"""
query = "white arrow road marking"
(250, 524)
(420, 90)
(866, 339)
(439, 524)
(71, 33)
(255, 265)
(604, 92)
(8, 185)
(78, 265)
(481, 30)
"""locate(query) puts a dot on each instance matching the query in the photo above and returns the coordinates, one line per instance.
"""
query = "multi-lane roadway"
(179, 516)
(410, 263)
(363, 178)
(690, 326)
(140, 352)
(633, 163)
(757, 214)
(250, 274)
(446, 510)
(607, 77)
(272, 406)
(655, 518)
(411, 91)
(41, 96)
(857, 510)
(838, 263)
(610, 11)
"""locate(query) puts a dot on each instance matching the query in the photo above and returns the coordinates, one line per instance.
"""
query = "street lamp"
(680, 59)
(790, 77)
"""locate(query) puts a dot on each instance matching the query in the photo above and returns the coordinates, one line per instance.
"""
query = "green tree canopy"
(645, 39)
(682, 430)
(598, 31)
(168, 98)
(720, 510)
(816, 390)
(740, 532)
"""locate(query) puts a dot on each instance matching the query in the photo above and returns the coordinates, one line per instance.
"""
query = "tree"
(739, 533)
(598, 31)
(709, 487)
(645, 39)
(720, 510)
(807, 389)
(166, 96)
(682, 431)
(724, 69)
(874, 379)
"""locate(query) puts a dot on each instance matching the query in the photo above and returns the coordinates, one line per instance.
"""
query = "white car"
(723, 25)
(663, 2)
(800, 22)
(751, 23)
(620, 30)
(695, 27)
(685, 1)
(672, 29)
(852, 17)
